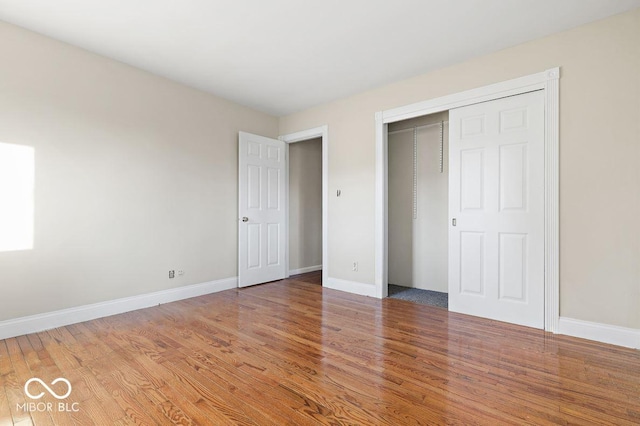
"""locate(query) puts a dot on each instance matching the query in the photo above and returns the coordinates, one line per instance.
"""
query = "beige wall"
(305, 204)
(599, 157)
(134, 176)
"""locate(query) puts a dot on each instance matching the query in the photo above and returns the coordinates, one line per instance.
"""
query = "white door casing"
(496, 248)
(261, 198)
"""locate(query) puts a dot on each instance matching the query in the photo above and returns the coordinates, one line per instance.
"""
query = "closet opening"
(418, 202)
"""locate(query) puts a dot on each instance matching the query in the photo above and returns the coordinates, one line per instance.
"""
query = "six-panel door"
(496, 248)
(261, 195)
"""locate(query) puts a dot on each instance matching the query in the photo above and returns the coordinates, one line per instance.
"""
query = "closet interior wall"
(418, 202)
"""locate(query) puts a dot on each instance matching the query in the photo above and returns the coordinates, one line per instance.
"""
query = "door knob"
(245, 219)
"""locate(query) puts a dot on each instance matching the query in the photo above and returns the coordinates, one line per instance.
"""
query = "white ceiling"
(283, 56)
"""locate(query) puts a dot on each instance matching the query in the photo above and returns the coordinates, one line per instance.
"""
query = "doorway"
(305, 206)
(321, 132)
(418, 209)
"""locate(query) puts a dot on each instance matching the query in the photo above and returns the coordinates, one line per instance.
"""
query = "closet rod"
(439, 123)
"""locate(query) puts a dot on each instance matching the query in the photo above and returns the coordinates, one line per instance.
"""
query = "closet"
(418, 202)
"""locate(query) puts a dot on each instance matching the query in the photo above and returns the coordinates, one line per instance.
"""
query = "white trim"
(364, 289)
(499, 90)
(49, 320)
(612, 334)
(381, 209)
(549, 82)
(322, 132)
(552, 201)
(305, 270)
(286, 208)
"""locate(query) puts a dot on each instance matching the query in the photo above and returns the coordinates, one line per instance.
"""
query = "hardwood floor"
(291, 352)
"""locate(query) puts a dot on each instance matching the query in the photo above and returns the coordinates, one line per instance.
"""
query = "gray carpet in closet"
(426, 297)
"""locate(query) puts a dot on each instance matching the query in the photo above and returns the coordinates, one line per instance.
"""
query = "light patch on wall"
(17, 172)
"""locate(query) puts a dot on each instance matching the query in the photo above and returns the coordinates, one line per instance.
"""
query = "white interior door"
(261, 195)
(496, 198)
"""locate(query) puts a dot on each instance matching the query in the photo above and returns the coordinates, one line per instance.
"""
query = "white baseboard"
(352, 287)
(621, 336)
(49, 320)
(305, 270)
(615, 335)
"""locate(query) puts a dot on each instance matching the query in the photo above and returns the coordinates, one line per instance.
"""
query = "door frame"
(316, 132)
(549, 82)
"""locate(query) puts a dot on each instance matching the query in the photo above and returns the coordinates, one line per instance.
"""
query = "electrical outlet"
(355, 266)
(172, 274)
(180, 272)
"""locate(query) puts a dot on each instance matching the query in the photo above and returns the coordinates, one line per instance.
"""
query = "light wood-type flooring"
(291, 352)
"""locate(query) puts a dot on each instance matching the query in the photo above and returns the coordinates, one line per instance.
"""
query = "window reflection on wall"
(16, 197)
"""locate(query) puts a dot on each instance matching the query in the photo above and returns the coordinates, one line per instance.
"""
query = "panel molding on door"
(261, 207)
(496, 247)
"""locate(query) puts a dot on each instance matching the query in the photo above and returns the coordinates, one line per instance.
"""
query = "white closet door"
(261, 195)
(496, 198)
